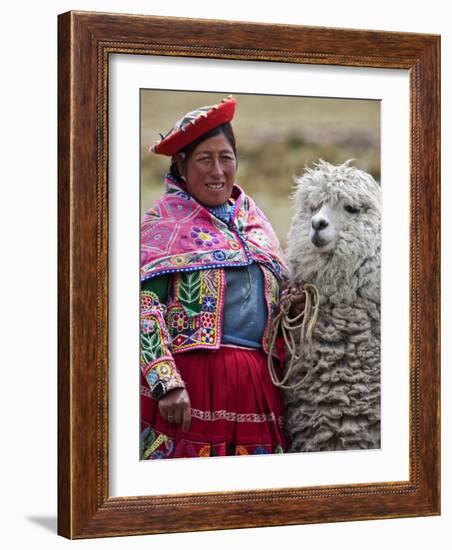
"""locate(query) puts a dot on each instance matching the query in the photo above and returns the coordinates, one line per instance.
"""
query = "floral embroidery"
(161, 377)
(159, 372)
(159, 236)
(180, 209)
(147, 325)
(179, 260)
(233, 245)
(209, 303)
(152, 377)
(198, 295)
(219, 255)
(150, 302)
(180, 321)
(207, 335)
(155, 356)
(204, 237)
(164, 370)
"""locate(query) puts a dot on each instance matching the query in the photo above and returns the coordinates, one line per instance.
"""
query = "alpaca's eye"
(351, 209)
(314, 207)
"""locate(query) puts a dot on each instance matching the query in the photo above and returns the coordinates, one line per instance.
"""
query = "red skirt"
(235, 408)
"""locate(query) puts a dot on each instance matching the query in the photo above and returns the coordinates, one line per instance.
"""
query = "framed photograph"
(307, 102)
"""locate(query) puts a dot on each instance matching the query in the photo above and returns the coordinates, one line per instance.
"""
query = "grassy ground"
(276, 137)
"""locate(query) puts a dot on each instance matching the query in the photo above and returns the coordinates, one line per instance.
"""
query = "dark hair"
(225, 129)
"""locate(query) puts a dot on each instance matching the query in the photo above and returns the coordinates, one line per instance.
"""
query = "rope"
(288, 326)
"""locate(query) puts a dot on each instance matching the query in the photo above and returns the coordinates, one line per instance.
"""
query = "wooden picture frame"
(85, 42)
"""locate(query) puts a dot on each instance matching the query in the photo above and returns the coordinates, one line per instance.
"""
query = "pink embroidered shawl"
(180, 234)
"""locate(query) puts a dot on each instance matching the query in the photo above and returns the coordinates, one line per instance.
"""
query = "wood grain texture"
(85, 42)
(64, 295)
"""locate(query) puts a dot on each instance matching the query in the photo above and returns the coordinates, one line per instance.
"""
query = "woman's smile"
(215, 185)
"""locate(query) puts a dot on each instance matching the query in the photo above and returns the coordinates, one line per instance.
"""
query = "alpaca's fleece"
(338, 406)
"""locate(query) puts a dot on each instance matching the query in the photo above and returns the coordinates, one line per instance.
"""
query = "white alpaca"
(334, 243)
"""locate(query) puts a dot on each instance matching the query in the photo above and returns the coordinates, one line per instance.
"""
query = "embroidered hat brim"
(193, 125)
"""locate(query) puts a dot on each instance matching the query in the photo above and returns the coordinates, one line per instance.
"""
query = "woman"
(211, 270)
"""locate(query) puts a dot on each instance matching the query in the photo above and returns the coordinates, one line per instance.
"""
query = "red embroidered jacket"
(185, 312)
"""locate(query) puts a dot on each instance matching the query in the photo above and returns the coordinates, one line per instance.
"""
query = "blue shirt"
(245, 312)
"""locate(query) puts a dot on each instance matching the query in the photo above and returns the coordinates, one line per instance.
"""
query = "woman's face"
(210, 171)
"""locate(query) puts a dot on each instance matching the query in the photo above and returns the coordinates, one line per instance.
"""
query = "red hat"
(194, 124)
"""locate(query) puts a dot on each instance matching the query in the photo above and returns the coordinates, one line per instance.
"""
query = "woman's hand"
(175, 408)
(297, 300)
